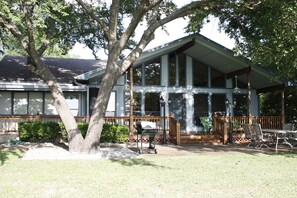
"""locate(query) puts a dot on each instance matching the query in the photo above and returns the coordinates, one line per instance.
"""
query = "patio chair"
(249, 134)
(288, 126)
(261, 141)
(291, 137)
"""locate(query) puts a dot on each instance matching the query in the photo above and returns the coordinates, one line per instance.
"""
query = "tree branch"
(148, 35)
(113, 21)
(100, 21)
(29, 26)
(45, 44)
(14, 31)
(144, 7)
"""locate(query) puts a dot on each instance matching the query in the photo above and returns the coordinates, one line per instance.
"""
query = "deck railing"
(221, 125)
(10, 123)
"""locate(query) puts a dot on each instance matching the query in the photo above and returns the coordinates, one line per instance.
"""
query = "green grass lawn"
(153, 176)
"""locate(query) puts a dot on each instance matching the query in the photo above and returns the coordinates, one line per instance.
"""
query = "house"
(195, 77)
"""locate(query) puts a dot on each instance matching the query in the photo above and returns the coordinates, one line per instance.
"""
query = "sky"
(175, 31)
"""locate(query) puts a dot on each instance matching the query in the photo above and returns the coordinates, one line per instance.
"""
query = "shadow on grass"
(187, 149)
(137, 162)
(6, 153)
(287, 154)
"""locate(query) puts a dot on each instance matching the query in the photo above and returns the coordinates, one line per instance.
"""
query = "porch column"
(131, 102)
(249, 98)
(164, 70)
(189, 72)
(229, 96)
(209, 106)
(142, 108)
(189, 112)
(88, 103)
(283, 106)
(120, 96)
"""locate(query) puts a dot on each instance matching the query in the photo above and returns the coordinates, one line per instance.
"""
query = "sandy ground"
(49, 151)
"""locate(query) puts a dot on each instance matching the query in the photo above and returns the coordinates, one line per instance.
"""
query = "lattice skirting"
(145, 139)
(239, 138)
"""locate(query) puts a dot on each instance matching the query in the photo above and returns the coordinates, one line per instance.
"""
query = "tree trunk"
(92, 140)
(75, 138)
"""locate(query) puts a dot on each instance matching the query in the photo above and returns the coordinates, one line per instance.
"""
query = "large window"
(35, 103)
(217, 79)
(136, 103)
(72, 101)
(200, 107)
(172, 69)
(20, 103)
(111, 107)
(49, 105)
(137, 75)
(200, 74)
(182, 69)
(218, 103)
(5, 103)
(240, 108)
(152, 104)
(153, 72)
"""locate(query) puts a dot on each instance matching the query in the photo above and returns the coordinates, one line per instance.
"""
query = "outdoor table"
(151, 132)
(279, 134)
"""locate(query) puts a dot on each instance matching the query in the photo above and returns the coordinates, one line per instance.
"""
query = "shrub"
(83, 127)
(39, 131)
(112, 133)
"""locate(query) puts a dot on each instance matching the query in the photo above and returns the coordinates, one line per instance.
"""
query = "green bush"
(39, 131)
(111, 133)
(114, 133)
(83, 127)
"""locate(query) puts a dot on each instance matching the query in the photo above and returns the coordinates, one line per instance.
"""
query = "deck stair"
(200, 138)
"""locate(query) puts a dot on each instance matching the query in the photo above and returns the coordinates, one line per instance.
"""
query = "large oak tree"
(36, 25)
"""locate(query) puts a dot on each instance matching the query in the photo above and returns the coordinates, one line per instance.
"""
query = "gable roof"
(212, 54)
(217, 56)
(15, 69)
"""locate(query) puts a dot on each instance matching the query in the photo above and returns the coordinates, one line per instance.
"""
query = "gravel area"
(49, 151)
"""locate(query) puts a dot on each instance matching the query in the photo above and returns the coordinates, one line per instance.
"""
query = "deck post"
(131, 128)
(225, 135)
(249, 98)
(283, 106)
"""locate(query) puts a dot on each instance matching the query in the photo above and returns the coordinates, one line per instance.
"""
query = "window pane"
(240, 108)
(136, 104)
(72, 101)
(172, 69)
(49, 107)
(137, 74)
(200, 74)
(182, 69)
(5, 103)
(20, 103)
(217, 78)
(152, 72)
(152, 106)
(35, 103)
(218, 103)
(110, 111)
(200, 107)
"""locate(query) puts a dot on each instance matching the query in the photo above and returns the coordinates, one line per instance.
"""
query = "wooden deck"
(219, 135)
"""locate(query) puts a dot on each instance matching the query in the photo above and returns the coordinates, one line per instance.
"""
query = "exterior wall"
(35, 98)
(188, 92)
